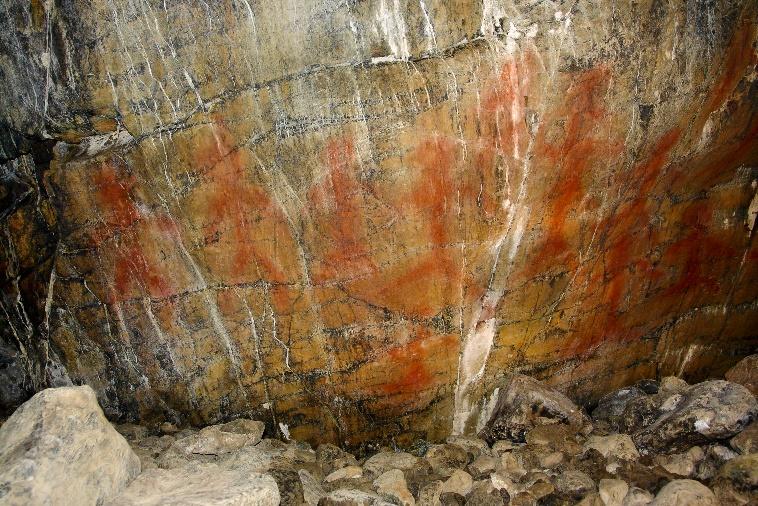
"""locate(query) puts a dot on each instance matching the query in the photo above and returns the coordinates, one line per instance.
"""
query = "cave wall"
(349, 219)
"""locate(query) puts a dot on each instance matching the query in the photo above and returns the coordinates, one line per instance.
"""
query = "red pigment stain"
(235, 207)
(579, 150)
(700, 251)
(433, 196)
(622, 266)
(133, 273)
(113, 195)
(413, 359)
(336, 204)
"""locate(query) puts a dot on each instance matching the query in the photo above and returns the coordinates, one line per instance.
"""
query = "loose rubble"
(666, 443)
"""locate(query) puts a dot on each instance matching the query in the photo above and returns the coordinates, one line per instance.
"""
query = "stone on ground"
(199, 485)
(523, 403)
(58, 448)
(745, 372)
(685, 493)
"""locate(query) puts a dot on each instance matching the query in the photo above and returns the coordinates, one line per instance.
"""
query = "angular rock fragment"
(199, 485)
(574, 484)
(613, 492)
(312, 490)
(391, 486)
(523, 403)
(618, 446)
(386, 461)
(58, 448)
(447, 458)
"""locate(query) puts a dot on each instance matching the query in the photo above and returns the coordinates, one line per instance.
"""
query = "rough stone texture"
(574, 484)
(746, 441)
(521, 403)
(199, 485)
(684, 493)
(613, 492)
(708, 411)
(619, 446)
(391, 485)
(745, 372)
(58, 448)
(737, 480)
(349, 218)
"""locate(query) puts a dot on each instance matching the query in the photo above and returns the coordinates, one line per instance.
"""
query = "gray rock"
(618, 446)
(611, 407)
(684, 493)
(637, 497)
(391, 486)
(446, 458)
(613, 492)
(574, 484)
(350, 497)
(523, 403)
(58, 448)
(344, 473)
(459, 482)
(709, 411)
(331, 457)
(312, 490)
(386, 461)
(199, 485)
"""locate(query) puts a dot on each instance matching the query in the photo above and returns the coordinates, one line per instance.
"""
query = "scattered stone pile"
(658, 443)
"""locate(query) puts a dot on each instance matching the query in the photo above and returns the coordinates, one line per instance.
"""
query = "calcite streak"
(351, 218)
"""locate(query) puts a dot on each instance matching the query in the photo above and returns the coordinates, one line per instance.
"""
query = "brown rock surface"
(347, 219)
(745, 372)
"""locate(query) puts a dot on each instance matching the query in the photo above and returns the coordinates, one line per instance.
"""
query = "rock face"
(58, 448)
(347, 219)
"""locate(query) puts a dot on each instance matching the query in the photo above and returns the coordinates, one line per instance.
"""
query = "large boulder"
(58, 448)
(523, 403)
(708, 411)
(199, 485)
